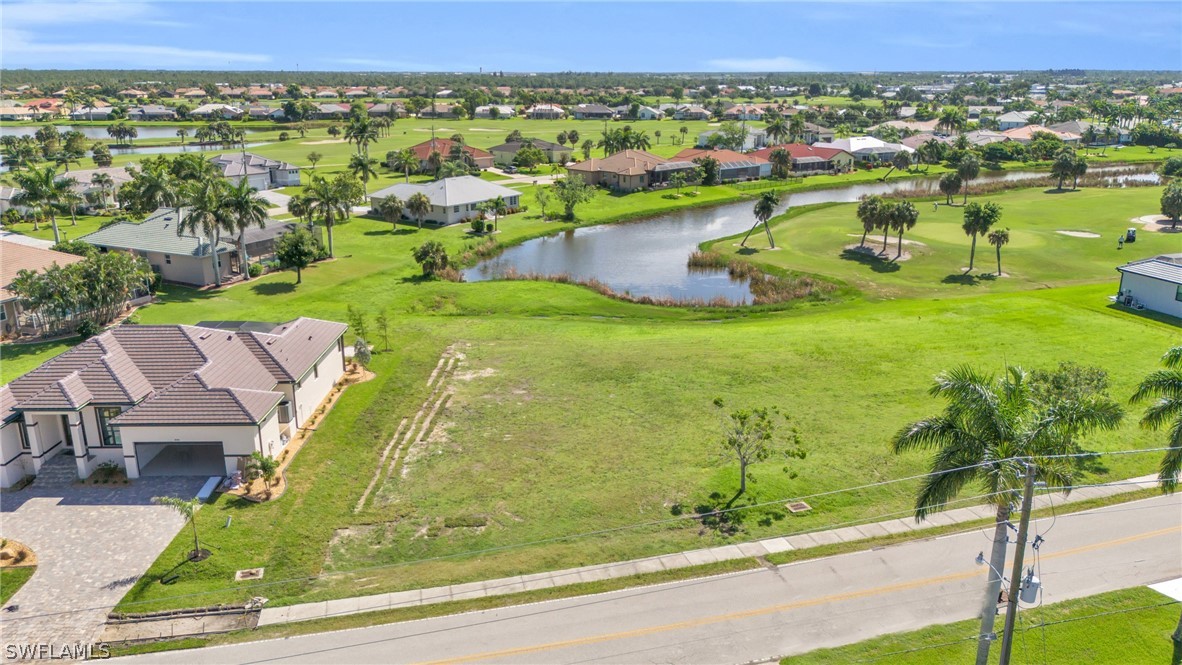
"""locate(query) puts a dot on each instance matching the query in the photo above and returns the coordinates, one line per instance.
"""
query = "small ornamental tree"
(432, 256)
(361, 353)
(297, 249)
(382, 321)
(571, 191)
(186, 508)
(1171, 202)
(750, 436)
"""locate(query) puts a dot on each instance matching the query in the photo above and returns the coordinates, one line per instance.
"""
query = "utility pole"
(1007, 639)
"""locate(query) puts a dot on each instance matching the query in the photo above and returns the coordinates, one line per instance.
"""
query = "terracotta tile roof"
(443, 147)
(723, 156)
(177, 375)
(625, 162)
(15, 257)
(800, 151)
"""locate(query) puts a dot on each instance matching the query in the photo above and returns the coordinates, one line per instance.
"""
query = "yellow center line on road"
(773, 609)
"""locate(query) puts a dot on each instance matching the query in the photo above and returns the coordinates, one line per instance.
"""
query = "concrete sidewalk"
(805, 540)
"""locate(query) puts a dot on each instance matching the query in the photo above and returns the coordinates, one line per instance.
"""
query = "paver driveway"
(91, 543)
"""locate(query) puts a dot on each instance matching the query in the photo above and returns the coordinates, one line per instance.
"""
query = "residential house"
(326, 93)
(648, 113)
(503, 112)
(1014, 119)
(691, 112)
(6, 195)
(628, 170)
(810, 158)
(132, 93)
(503, 154)
(1154, 284)
(593, 112)
(84, 178)
(217, 111)
(151, 112)
(386, 109)
(866, 148)
(259, 92)
(180, 258)
(813, 133)
(732, 166)
(330, 111)
(906, 127)
(18, 257)
(545, 112)
(743, 112)
(976, 112)
(47, 106)
(453, 200)
(1080, 127)
(265, 113)
(261, 172)
(438, 110)
(480, 158)
(169, 400)
(980, 137)
(356, 93)
(1025, 134)
(16, 113)
(755, 139)
(97, 113)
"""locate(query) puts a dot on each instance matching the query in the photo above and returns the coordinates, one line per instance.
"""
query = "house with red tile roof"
(732, 166)
(628, 170)
(18, 257)
(481, 158)
(169, 400)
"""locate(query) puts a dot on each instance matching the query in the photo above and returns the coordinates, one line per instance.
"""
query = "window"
(110, 432)
(168, 259)
(1178, 293)
(23, 430)
(316, 371)
(457, 208)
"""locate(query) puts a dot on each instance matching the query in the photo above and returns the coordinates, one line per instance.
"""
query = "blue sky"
(592, 36)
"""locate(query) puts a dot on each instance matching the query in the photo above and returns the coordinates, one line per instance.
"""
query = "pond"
(648, 257)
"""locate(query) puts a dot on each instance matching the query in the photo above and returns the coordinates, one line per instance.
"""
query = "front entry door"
(67, 435)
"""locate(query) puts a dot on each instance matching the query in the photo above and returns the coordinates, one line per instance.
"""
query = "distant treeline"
(54, 79)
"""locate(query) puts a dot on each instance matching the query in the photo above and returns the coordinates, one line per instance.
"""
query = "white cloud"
(776, 64)
(22, 50)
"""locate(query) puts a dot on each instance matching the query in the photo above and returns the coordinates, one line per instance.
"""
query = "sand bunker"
(1156, 224)
(1079, 234)
(875, 249)
(870, 240)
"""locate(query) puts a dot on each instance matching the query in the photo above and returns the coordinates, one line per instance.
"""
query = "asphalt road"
(761, 614)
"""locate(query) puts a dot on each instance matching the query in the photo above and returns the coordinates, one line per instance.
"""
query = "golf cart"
(1131, 235)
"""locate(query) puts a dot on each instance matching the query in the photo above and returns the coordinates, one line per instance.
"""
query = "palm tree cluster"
(44, 192)
(877, 213)
(220, 131)
(122, 132)
(623, 138)
(60, 298)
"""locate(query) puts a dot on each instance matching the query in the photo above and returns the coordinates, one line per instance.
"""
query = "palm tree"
(796, 128)
(988, 433)
(362, 132)
(903, 217)
(405, 160)
(104, 182)
(1164, 386)
(949, 185)
(952, 119)
(870, 214)
(781, 162)
(362, 167)
(43, 190)
(244, 208)
(497, 207)
(182, 133)
(71, 199)
(391, 209)
(765, 207)
(327, 200)
(297, 206)
(207, 218)
(434, 162)
(451, 169)
(419, 206)
(777, 130)
(999, 238)
(978, 219)
(186, 508)
(968, 170)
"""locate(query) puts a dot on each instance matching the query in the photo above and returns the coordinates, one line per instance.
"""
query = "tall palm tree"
(297, 206)
(327, 200)
(43, 190)
(391, 209)
(362, 167)
(870, 214)
(182, 133)
(497, 207)
(105, 184)
(999, 238)
(361, 131)
(244, 208)
(777, 130)
(405, 161)
(968, 170)
(765, 207)
(903, 217)
(796, 128)
(207, 218)
(419, 206)
(781, 161)
(979, 218)
(1164, 387)
(989, 431)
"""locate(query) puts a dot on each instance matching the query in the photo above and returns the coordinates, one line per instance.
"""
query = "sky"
(595, 36)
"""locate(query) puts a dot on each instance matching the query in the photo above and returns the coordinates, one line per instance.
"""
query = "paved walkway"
(345, 606)
(92, 543)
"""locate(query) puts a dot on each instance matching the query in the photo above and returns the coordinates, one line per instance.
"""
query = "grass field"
(1129, 627)
(1037, 255)
(12, 579)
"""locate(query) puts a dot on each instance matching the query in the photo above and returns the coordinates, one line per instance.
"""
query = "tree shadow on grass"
(1056, 190)
(726, 514)
(875, 262)
(273, 288)
(391, 232)
(969, 279)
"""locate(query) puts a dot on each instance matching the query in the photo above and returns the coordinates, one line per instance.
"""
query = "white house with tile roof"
(169, 400)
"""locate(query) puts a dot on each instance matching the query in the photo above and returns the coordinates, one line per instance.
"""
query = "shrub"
(1171, 167)
(87, 329)
(283, 136)
(256, 269)
(478, 226)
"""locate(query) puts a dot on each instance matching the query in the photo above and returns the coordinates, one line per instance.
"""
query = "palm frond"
(1161, 412)
(1173, 357)
(1162, 383)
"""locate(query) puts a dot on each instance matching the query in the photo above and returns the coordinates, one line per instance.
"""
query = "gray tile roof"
(1156, 268)
(176, 374)
(157, 233)
(460, 190)
(514, 146)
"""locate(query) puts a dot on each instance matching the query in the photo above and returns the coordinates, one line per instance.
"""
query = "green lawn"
(1037, 256)
(12, 579)
(1129, 627)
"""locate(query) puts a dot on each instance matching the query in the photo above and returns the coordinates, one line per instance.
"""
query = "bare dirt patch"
(1078, 234)
(14, 554)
